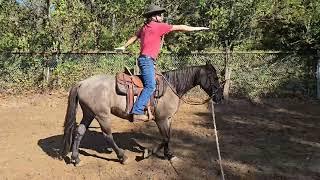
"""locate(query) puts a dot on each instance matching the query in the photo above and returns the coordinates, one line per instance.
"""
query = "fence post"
(227, 75)
(47, 74)
(318, 75)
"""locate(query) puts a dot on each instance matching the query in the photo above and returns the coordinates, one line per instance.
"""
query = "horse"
(98, 99)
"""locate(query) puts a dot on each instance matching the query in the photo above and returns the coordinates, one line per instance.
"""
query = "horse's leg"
(80, 131)
(165, 130)
(106, 129)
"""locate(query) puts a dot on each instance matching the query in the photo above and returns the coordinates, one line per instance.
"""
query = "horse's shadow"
(94, 140)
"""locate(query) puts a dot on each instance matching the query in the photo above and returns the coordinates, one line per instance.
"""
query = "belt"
(148, 57)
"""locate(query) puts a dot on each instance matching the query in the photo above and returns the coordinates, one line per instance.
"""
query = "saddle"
(131, 85)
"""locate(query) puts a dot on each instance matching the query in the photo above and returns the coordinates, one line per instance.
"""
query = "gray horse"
(98, 99)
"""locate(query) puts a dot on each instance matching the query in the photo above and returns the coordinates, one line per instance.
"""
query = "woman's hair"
(148, 20)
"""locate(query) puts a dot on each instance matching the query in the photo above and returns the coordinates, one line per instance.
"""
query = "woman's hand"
(187, 28)
(201, 28)
(122, 48)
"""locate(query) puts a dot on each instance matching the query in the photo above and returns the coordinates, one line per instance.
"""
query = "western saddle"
(131, 85)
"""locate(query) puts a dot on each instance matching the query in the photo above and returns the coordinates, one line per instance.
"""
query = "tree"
(290, 25)
(231, 23)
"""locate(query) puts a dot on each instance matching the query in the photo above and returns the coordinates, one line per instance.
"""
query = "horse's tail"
(70, 120)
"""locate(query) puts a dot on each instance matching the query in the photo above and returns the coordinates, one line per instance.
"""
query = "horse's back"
(96, 89)
(97, 81)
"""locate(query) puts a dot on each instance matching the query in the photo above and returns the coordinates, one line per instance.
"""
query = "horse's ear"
(223, 82)
(209, 65)
(222, 72)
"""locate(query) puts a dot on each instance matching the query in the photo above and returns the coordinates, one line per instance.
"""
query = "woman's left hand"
(122, 48)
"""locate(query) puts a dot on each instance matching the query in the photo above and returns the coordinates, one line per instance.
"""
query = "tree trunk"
(318, 75)
(48, 9)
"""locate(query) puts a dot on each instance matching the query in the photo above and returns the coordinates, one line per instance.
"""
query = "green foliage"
(75, 68)
(84, 25)
(273, 75)
(290, 25)
(20, 73)
(103, 24)
(253, 75)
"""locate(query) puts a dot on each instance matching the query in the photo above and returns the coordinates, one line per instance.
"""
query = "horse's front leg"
(165, 130)
(168, 154)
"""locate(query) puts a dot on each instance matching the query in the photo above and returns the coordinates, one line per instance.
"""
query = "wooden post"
(318, 75)
(47, 74)
(227, 75)
(113, 24)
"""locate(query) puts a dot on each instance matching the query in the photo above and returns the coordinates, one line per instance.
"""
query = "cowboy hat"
(153, 10)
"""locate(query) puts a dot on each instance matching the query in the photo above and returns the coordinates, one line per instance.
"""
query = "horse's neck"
(182, 83)
(185, 89)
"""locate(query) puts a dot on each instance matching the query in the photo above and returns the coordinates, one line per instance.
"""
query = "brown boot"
(140, 117)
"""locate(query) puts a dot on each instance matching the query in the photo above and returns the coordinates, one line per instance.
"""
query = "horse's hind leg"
(80, 131)
(106, 129)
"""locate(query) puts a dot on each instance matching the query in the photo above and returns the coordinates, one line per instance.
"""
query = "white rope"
(217, 141)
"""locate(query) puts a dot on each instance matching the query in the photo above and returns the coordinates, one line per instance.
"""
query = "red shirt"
(150, 38)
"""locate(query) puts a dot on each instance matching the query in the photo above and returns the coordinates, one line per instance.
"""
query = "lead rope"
(217, 139)
(213, 120)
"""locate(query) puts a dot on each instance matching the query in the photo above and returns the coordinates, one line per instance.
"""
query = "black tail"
(70, 120)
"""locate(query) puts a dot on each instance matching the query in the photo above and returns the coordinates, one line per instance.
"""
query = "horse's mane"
(182, 79)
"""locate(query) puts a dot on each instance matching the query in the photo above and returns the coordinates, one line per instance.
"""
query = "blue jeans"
(147, 71)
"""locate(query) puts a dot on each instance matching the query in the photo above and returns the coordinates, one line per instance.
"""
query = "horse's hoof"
(108, 150)
(124, 160)
(174, 159)
(170, 157)
(147, 153)
(75, 161)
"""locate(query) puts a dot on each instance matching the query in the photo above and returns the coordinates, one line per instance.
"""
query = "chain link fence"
(254, 74)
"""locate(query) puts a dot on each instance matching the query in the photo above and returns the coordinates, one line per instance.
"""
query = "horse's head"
(209, 82)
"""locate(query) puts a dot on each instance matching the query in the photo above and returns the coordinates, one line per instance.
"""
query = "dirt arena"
(274, 140)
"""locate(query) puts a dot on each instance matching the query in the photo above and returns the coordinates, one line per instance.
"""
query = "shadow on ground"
(94, 140)
(274, 140)
(268, 141)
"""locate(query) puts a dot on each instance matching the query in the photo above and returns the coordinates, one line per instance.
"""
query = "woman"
(150, 35)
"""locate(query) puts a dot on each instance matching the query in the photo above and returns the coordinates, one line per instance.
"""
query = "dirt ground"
(278, 139)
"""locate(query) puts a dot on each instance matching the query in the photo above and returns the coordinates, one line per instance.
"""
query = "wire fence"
(254, 74)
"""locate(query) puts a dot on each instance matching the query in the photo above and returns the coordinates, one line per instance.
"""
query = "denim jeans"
(147, 71)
